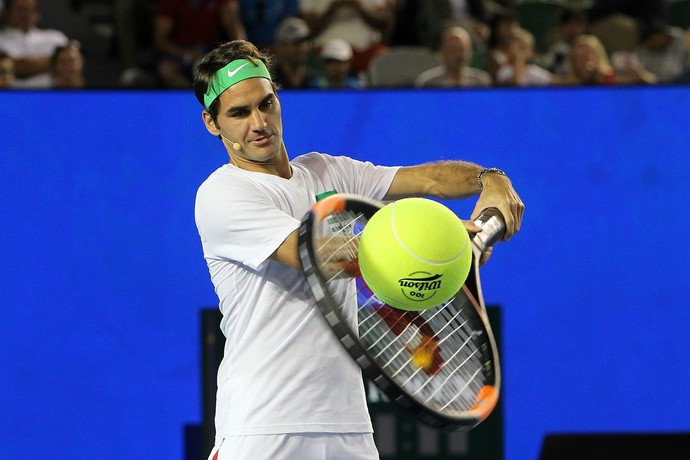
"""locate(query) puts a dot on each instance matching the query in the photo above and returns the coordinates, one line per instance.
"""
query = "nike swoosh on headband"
(232, 73)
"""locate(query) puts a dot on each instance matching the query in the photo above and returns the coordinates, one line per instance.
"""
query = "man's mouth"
(262, 140)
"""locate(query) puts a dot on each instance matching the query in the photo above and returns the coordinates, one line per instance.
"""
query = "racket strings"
(461, 374)
(338, 244)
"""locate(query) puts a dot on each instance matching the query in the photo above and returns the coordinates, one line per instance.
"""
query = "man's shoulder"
(320, 158)
(43, 35)
(9, 34)
(46, 34)
(432, 77)
(225, 174)
(231, 184)
(324, 164)
(476, 77)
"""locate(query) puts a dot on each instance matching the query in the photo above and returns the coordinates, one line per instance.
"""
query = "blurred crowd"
(324, 44)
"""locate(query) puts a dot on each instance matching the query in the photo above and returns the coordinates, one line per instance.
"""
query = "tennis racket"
(441, 365)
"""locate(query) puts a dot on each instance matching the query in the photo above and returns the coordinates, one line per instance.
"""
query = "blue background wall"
(102, 275)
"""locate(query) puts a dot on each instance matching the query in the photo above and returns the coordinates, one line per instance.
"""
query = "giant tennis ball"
(414, 254)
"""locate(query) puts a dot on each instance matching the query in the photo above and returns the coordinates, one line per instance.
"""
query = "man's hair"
(71, 44)
(219, 58)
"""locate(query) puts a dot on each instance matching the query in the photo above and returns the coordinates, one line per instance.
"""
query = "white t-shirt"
(533, 76)
(283, 371)
(32, 44)
(347, 23)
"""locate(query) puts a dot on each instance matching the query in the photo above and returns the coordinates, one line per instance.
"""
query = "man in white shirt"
(454, 71)
(286, 387)
(364, 24)
(31, 48)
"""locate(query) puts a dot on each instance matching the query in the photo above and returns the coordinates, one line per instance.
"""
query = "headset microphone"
(235, 145)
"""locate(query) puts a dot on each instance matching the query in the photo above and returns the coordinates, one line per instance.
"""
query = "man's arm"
(231, 19)
(28, 67)
(445, 180)
(460, 179)
(163, 27)
(288, 252)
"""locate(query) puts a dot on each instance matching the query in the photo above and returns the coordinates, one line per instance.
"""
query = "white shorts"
(297, 446)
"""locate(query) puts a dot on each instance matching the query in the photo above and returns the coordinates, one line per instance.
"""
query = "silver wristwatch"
(488, 171)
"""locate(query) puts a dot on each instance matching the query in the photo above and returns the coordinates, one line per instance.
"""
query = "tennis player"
(286, 388)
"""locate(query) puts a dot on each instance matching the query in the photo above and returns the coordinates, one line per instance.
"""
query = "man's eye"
(267, 104)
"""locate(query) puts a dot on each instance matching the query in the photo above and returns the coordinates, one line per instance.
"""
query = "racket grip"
(493, 228)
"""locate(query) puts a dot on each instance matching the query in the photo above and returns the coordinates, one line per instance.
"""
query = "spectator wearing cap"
(31, 48)
(336, 64)
(292, 51)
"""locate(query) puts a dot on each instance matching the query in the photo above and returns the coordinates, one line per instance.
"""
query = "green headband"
(234, 72)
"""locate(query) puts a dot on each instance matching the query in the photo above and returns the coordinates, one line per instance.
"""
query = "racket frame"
(487, 397)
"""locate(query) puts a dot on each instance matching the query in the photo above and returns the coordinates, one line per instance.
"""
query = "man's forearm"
(444, 179)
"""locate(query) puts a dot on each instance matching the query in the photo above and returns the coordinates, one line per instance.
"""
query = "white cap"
(337, 49)
(292, 30)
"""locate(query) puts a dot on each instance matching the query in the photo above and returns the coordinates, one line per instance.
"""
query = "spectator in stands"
(261, 18)
(67, 66)
(572, 23)
(185, 30)
(364, 24)
(503, 25)
(590, 65)
(646, 13)
(684, 77)
(31, 48)
(290, 67)
(435, 16)
(336, 63)
(662, 51)
(519, 70)
(6, 70)
(456, 54)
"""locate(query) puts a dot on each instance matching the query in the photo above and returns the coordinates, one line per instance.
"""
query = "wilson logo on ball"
(420, 285)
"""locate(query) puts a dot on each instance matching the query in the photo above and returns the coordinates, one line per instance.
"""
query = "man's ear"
(210, 124)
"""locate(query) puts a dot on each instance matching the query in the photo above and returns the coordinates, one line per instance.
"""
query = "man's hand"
(472, 229)
(498, 193)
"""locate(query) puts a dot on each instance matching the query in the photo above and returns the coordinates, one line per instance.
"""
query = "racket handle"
(493, 228)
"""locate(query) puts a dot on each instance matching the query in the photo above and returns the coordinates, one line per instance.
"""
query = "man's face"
(69, 63)
(585, 60)
(250, 115)
(457, 51)
(336, 70)
(295, 52)
(573, 29)
(23, 14)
